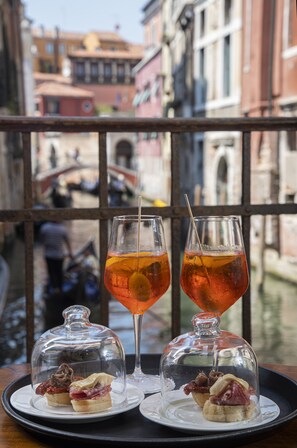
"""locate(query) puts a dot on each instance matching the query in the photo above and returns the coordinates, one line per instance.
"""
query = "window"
(80, 71)
(121, 72)
(292, 141)
(227, 71)
(201, 63)
(94, 71)
(107, 72)
(227, 11)
(137, 99)
(202, 23)
(146, 93)
(87, 106)
(201, 84)
(62, 49)
(155, 91)
(46, 66)
(199, 162)
(124, 152)
(49, 48)
(290, 198)
(153, 34)
(52, 106)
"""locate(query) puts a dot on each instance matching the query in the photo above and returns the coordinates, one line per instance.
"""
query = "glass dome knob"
(206, 325)
(76, 316)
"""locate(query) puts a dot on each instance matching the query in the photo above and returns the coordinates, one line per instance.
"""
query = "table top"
(12, 435)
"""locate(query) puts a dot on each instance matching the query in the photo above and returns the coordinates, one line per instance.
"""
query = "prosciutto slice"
(89, 394)
(202, 382)
(233, 394)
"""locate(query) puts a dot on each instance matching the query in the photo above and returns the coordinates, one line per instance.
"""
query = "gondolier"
(54, 237)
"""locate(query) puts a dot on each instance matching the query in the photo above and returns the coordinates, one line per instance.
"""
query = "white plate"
(184, 415)
(22, 400)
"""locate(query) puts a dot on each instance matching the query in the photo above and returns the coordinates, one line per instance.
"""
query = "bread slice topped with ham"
(56, 388)
(229, 401)
(91, 394)
(200, 386)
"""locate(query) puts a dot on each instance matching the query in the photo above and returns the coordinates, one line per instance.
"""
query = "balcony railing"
(175, 212)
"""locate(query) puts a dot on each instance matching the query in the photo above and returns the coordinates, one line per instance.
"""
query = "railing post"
(175, 235)
(103, 227)
(29, 244)
(246, 228)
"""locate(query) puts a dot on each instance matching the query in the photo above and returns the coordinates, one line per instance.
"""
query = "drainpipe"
(275, 177)
(270, 59)
(273, 174)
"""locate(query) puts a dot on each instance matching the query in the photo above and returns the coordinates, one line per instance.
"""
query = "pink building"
(148, 101)
(269, 88)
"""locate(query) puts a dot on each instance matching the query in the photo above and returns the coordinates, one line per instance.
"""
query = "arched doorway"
(222, 182)
(123, 154)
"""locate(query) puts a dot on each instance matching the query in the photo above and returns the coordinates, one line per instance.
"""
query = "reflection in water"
(274, 317)
(274, 322)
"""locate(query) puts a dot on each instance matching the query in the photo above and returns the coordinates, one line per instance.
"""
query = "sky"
(89, 15)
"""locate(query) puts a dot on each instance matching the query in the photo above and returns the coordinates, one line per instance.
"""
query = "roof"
(52, 34)
(59, 89)
(107, 35)
(51, 77)
(134, 52)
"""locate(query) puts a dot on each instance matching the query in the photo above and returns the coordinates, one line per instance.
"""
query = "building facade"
(217, 85)
(12, 102)
(269, 73)
(105, 67)
(50, 48)
(151, 163)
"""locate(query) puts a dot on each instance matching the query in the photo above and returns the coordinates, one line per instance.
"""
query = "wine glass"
(137, 274)
(214, 275)
(214, 270)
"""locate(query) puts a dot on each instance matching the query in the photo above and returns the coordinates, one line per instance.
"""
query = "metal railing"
(175, 212)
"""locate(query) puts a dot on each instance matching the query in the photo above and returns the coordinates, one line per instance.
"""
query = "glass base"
(149, 384)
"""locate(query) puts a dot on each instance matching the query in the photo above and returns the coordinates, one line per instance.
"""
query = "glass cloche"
(79, 364)
(209, 372)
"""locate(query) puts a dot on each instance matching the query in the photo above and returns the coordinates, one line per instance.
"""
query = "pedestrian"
(53, 157)
(54, 237)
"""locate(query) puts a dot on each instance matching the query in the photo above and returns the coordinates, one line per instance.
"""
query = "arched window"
(124, 153)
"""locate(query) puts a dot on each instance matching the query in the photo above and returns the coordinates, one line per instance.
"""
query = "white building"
(217, 81)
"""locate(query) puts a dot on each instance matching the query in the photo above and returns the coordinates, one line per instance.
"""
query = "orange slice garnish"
(139, 287)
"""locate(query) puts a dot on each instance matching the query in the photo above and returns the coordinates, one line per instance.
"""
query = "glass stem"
(137, 321)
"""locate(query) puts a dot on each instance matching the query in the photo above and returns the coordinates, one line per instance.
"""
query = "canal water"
(274, 311)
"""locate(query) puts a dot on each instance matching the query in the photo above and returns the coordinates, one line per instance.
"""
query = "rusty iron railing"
(175, 212)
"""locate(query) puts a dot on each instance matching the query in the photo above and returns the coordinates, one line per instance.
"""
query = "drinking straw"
(138, 226)
(197, 236)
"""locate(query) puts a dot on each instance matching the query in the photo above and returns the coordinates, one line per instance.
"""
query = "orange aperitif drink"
(214, 281)
(137, 280)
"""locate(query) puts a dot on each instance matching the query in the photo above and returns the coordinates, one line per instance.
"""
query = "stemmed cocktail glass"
(137, 274)
(214, 270)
